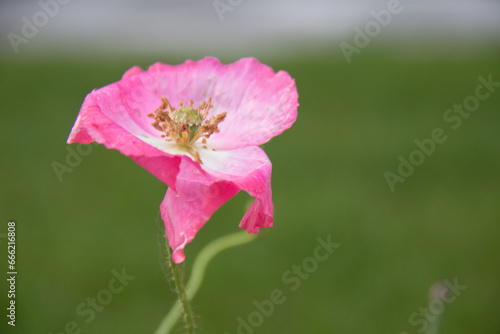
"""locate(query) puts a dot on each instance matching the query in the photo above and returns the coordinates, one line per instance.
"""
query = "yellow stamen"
(185, 125)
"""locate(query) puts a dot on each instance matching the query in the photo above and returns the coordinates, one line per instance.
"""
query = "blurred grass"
(354, 121)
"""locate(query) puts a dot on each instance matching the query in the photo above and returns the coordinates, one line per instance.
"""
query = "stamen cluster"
(186, 124)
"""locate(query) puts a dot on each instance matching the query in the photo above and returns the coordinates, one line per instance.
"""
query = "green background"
(328, 180)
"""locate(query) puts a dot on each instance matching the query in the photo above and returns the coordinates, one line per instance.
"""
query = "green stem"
(198, 272)
(180, 289)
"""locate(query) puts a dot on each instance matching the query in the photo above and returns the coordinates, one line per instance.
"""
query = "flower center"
(186, 124)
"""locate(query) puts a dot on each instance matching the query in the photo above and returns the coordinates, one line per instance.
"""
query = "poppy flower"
(197, 127)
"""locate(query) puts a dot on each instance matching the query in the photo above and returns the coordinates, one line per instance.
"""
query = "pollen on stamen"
(211, 125)
(185, 125)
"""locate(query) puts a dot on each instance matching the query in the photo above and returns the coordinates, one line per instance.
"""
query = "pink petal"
(200, 191)
(131, 72)
(260, 104)
(93, 124)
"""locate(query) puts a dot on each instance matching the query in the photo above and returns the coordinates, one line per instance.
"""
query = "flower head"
(206, 150)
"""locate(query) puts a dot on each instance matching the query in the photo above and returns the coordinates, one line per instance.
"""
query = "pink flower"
(196, 127)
